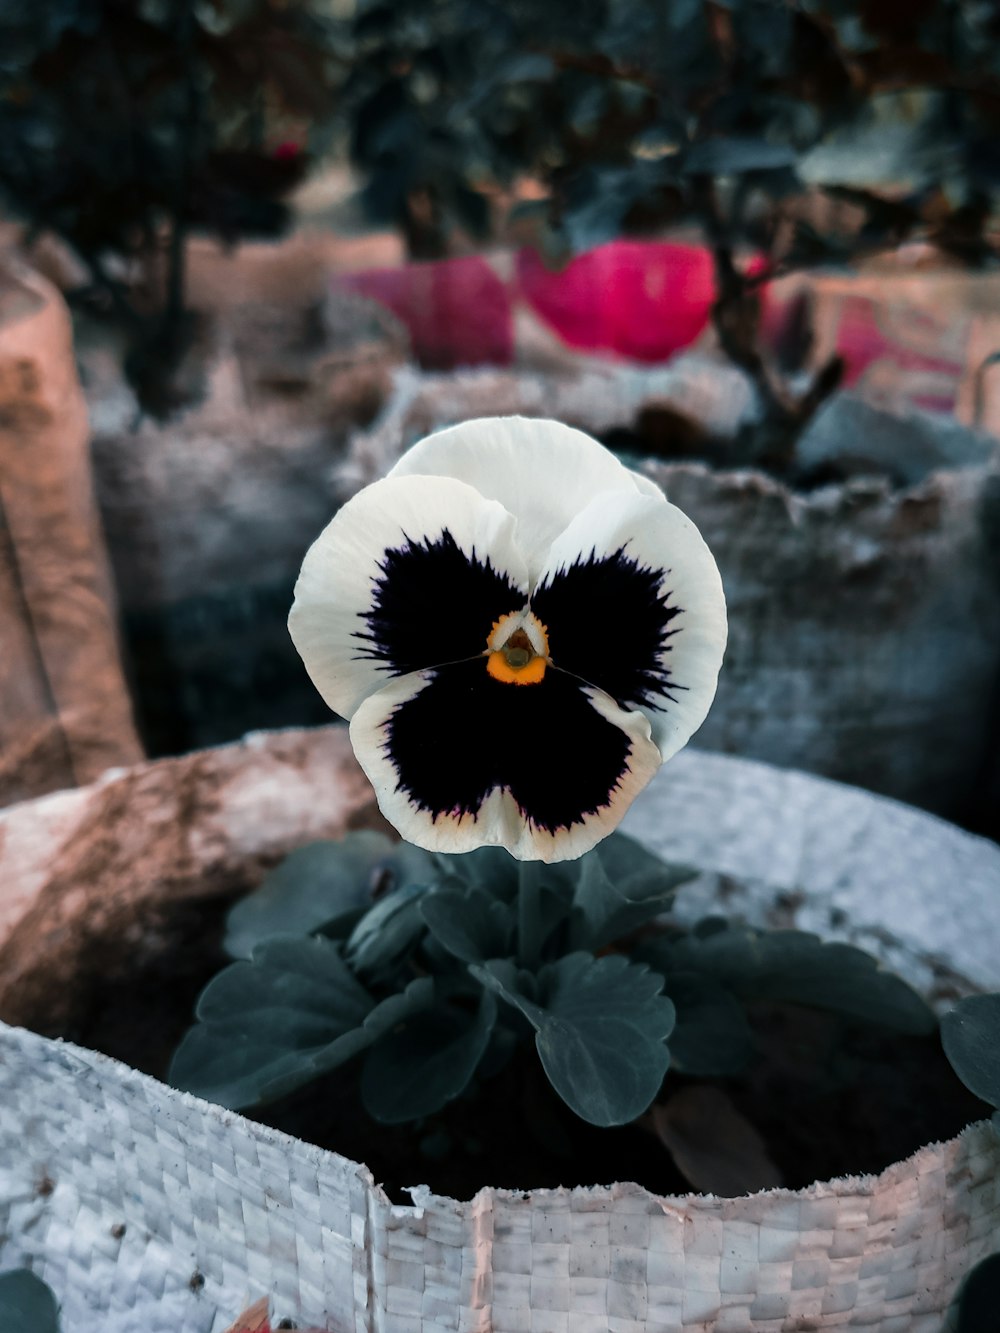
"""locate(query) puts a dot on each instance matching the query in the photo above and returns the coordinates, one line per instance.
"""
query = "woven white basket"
(149, 1210)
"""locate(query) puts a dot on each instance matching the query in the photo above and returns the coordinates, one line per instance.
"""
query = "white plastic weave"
(149, 1210)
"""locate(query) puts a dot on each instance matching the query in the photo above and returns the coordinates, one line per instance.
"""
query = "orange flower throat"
(517, 649)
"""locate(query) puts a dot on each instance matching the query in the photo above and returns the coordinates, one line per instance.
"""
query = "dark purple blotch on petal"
(432, 604)
(609, 622)
(465, 734)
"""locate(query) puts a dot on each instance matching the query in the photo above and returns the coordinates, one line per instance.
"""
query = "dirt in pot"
(827, 1098)
(134, 991)
(663, 433)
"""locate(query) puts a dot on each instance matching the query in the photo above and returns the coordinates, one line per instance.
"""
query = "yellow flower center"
(517, 650)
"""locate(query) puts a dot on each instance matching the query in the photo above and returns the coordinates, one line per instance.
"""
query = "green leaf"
(620, 889)
(601, 1026)
(386, 934)
(628, 862)
(322, 884)
(979, 1300)
(529, 210)
(291, 1013)
(426, 1062)
(732, 155)
(526, 67)
(795, 967)
(301, 976)
(970, 1035)
(711, 1038)
(544, 901)
(497, 873)
(27, 1304)
(488, 868)
(473, 926)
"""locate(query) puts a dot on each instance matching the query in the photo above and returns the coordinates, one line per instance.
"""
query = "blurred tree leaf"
(730, 156)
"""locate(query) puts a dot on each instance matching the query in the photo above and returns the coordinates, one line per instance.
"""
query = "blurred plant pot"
(208, 513)
(864, 613)
(458, 312)
(65, 712)
(146, 1207)
(638, 299)
(914, 331)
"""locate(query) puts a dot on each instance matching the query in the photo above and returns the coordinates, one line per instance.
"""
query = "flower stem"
(529, 924)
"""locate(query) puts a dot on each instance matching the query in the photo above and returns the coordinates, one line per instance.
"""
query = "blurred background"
(250, 250)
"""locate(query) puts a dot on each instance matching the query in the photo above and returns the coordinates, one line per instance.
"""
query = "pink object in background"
(908, 340)
(890, 347)
(644, 300)
(457, 311)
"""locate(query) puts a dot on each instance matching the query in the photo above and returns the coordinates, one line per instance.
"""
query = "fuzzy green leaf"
(732, 155)
(386, 933)
(497, 873)
(619, 890)
(320, 886)
(970, 1035)
(978, 1301)
(601, 1026)
(471, 926)
(426, 1061)
(489, 868)
(27, 1304)
(291, 1013)
(795, 967)
(628, 862)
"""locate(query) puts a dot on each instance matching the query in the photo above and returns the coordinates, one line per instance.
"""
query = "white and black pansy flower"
(520, 630)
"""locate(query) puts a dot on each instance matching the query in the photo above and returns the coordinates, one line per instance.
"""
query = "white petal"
(345, 567)
(647, 486)
(671, 554)
(498, 821)
(541, 471)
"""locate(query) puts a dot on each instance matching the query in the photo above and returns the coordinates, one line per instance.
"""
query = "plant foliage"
(975, 1310)
(433, 971)
(125, 123)
(970, 1034)
(721, 116)
(27, 1303)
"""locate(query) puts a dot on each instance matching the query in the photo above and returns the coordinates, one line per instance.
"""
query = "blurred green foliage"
(732, 116)
(627, 113)
(125, 122)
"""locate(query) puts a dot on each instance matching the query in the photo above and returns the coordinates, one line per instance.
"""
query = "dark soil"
(135, 1004)
(829, 1099)
(663, 433)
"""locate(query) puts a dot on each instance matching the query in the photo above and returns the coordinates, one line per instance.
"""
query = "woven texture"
(149, 1210)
